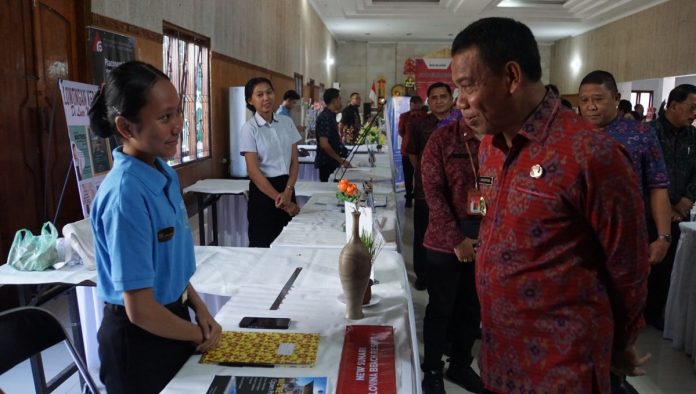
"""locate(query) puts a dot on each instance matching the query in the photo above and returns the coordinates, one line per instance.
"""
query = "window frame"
(191, 83)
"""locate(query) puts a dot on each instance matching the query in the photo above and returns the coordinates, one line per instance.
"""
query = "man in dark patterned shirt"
(449, 173)
(406, 119)
(349, 126)
(330, 153)
(599, 98)
(561, 273)
(677, 136)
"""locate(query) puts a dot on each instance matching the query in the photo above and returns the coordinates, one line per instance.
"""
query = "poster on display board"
(107, 51)
(91, 154)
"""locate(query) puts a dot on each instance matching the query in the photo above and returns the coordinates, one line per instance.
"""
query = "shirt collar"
(260, 121)
(154, 179)
(668, 126)
(536, 127)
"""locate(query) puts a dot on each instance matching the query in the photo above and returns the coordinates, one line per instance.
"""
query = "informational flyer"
(91, 154)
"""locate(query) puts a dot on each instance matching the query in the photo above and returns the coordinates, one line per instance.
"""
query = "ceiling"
(441, 20)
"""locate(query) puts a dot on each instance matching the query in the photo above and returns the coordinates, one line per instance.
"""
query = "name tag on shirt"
(486, 180)
(165, 234)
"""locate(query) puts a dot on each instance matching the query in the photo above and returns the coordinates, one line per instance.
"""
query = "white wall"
(284, 36)
(359, 63)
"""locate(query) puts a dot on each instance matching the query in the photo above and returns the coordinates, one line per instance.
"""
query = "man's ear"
(124, 127)
(513, 76)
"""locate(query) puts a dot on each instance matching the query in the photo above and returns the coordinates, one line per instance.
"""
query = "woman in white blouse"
(269, 146)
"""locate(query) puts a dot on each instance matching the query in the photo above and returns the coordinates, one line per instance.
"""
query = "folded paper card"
(264, 349)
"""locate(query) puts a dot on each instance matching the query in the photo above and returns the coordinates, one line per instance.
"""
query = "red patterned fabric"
(405, 121)
(561, 265)
(447, 177)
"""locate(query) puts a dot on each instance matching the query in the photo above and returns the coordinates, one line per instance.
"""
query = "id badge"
(473, 203)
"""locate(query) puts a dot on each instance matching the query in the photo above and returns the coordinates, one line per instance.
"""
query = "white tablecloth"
(321, 224)
(224, 272)
(253, 284)
(680, 312)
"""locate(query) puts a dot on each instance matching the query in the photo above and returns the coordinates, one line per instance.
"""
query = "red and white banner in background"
(431, 70)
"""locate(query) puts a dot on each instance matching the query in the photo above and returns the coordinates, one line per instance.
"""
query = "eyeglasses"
(692, 107)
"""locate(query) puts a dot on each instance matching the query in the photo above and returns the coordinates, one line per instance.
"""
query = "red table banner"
(367, 361)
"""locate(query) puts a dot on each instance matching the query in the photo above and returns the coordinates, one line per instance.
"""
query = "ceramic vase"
(354, 269)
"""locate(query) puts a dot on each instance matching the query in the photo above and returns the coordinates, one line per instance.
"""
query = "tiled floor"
(668, 372)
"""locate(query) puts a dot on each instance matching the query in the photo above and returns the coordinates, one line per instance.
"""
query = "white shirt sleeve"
(247, 140)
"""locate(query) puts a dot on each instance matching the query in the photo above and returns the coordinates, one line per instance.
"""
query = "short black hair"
(601, 77)
(439, 85)
(681, 93)
(625, 106)
(501, 40)
(330, 94)
(554, 89)
(416, 100)
(354, 94)
(291, 95)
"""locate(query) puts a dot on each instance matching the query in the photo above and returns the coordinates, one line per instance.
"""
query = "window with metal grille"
(187, 63)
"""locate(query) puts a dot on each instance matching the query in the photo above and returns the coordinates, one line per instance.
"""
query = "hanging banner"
(91, 154)
(431, 70)
(108, 50)
(392, 110)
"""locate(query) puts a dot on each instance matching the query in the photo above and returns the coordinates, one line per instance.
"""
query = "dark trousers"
(420, 224)
(134, 360)
(453, 312)
(265, 220)
(408, 176)
(325, 172)
(660, 275)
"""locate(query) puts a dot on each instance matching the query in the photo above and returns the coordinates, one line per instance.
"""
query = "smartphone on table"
(269, 323)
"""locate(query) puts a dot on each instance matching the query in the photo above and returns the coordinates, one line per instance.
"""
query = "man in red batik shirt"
(405, 121)
(449, 172)
(561, 271)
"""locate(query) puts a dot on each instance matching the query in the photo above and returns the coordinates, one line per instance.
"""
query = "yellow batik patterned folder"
(264, 349)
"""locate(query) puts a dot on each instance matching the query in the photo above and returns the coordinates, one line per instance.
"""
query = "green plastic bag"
(30, 252)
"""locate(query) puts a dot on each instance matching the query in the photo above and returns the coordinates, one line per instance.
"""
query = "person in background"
(440, 102)
(143, 243)
(331, 153)
(639, 112)
(269, 146)
(449, 168)
(624, 109)
(349, 126)
(677, 137)
(406, 119)
(561, 273)
(290, 98)
(598, 103)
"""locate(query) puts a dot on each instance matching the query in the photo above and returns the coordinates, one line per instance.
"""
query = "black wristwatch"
(665, 237)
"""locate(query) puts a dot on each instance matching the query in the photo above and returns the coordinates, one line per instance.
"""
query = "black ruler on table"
(286, 289)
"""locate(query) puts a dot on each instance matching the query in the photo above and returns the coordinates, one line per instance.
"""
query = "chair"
(26, 331)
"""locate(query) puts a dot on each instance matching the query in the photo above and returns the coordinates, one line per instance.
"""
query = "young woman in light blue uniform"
(143, 244)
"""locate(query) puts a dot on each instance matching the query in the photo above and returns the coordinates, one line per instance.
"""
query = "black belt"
(182, 301)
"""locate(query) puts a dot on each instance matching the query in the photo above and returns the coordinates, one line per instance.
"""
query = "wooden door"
(40, 41)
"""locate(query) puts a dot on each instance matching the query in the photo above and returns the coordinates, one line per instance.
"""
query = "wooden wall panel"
(225, 72)
(657, 42)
